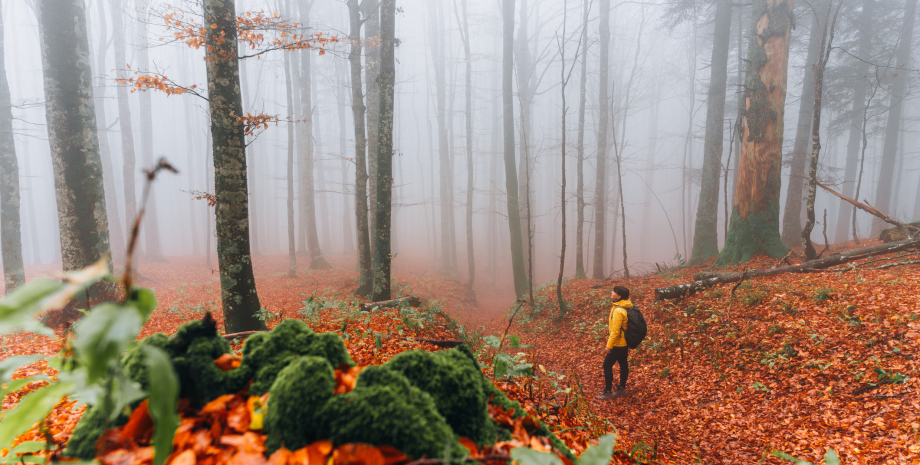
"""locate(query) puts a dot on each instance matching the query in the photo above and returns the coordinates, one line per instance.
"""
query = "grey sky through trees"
(430, 137)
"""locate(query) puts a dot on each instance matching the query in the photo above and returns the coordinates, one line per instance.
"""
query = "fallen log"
(445, 343)
(242, 335)
(411, 301)
(683, 290)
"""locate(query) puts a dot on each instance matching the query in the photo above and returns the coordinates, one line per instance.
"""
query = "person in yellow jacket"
(617, 350)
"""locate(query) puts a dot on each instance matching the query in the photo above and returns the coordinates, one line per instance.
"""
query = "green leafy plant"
(507, 365)
(89, 370)
(830, 458)
(823, 294)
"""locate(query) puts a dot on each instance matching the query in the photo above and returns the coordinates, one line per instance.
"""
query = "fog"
(658, 80)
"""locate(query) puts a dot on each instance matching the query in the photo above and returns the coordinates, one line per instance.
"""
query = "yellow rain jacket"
(618, 319)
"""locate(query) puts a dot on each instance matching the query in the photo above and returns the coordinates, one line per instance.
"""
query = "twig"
(827, 245)
(151, 175)
(510, 320)
(869, 209)
(243, 334)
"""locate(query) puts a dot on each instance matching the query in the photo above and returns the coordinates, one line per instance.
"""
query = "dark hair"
(622, 292)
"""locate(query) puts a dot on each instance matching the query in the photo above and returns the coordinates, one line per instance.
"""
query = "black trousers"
(616, 355)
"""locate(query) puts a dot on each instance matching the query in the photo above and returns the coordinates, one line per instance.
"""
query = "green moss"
(200, 380)
(758, 234)
(82, 443)
(135, 362)
(454, 381)
(385, 409)
(297, 395)
(266, 354)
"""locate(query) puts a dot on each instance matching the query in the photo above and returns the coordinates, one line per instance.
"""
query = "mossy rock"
(454, 381)
(298, 394)
(135, 360)
(266, 354)
(385, 409)
(82, 443)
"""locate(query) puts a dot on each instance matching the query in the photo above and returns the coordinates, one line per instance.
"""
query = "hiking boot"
(619, 392)
(606, 395)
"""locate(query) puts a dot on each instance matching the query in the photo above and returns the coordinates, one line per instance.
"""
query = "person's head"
(619, 293)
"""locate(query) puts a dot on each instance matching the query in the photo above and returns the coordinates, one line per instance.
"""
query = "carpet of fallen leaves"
(796, 362)
(220, 433)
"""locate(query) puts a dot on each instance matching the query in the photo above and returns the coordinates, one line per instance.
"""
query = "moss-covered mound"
(266, 354)
(385, 409)
(297, 396)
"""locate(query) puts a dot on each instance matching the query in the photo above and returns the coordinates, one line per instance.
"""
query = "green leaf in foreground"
(164, 393)
(33, 408)
(601, 453)
(528, 456)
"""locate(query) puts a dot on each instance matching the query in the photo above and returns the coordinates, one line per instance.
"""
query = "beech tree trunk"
(706, 233)
(511, 181)
(600, 183)
(239, 299)
(470, 169)
(365, 279)
(386, 81)
(116, 234)
(292, 247)
(899, 90)
(150, 227)
(436, 39)
(792, 213)
(70, 113)
(129, 159)
(754, 227)
(854, 143)
(580, 151)
(10, 225)
(371, 71)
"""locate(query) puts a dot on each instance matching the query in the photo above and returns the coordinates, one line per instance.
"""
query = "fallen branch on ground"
(445, 343)
(242, 335)
(682, 290)
(411, 301)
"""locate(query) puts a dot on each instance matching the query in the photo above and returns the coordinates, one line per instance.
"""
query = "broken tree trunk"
(682, 290)
(411, 300)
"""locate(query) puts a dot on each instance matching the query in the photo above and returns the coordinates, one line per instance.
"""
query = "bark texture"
(386, 81)
(600, 183)
(754, 227)
(371, 71)
(237, 282)
(580, 151)
(706, 233)
(511, 181)
(365, 279)
(71, 117)
(10, 225)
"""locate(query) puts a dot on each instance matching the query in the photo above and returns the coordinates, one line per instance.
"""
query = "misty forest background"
(490, 97)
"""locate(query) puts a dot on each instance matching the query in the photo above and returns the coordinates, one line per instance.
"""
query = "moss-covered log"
(754, 226)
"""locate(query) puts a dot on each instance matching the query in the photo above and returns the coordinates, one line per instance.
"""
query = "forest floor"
(797, 362)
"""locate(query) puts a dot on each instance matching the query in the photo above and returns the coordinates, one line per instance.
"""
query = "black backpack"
(636, 329)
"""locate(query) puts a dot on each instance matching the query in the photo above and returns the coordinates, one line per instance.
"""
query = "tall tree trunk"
(754, 227)
(645, 239)
(116, 234)
(10, 225)
(129, 166)
(254, 214)
(386, 81)
(511, 182)
(525, 81)
(71, 118)
(580, 151)
(824, 50)
(860, 89)
(706, 234)
(208, 186)
(150, 226)
(371, 71)
(348, 241)
(292, 248)
(792, 213)
(899, 91)
(470, 169)
(444, 170)
(307, 192)
(365, 279)
(600, 183)
(239, 299)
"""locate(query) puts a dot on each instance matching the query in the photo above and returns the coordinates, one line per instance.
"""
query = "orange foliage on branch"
(158, 82)
(253, 123)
